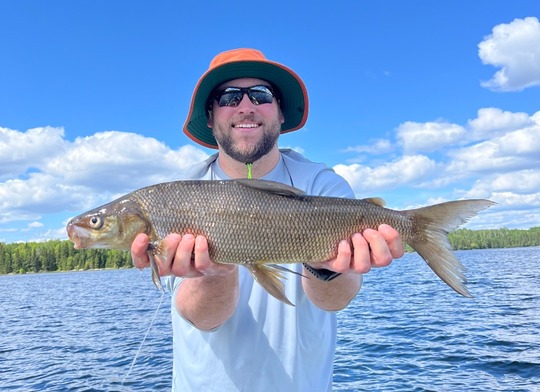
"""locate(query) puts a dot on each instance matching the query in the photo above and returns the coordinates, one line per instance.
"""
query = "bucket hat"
(246, 63)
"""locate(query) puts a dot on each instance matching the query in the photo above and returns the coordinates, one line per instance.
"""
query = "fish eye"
(95, 222)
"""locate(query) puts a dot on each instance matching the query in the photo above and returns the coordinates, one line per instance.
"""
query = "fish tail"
(429, 237)
(268, 277)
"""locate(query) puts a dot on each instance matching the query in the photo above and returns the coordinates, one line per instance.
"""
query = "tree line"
(465, 239)
(20, 258)
(500, 238)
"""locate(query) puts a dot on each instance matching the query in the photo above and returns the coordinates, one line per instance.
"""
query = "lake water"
(405, 331)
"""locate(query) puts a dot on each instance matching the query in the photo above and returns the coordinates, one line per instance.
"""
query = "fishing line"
(145, 336)
(249, 169)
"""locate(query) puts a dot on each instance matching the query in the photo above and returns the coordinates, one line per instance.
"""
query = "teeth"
(246, 125)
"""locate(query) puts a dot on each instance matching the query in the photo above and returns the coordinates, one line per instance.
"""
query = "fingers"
(393, 240)
(371, 249)
(204, 264)
(188, 256)
(380, 253)
(138, 251)
(178, 251)
(346, 260)
(181, 255)
(342, 262)
(202, 258)
(361, 261)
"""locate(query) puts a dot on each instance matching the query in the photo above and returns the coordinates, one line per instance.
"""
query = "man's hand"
(187, 256)
(209, 298)
(370, 249)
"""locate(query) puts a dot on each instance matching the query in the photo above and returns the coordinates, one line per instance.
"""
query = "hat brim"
(293, 95)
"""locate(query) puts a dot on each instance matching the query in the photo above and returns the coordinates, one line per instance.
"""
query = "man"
(229, 334)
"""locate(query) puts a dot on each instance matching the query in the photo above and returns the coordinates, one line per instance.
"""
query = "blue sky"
(416, 102)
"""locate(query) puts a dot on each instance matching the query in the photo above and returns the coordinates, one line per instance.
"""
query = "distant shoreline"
(127, 264)
(63, 271)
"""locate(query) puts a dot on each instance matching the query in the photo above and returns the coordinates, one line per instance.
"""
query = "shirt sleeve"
(172, 283)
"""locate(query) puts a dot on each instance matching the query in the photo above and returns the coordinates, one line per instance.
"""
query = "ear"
(210, 121)
(281, 116)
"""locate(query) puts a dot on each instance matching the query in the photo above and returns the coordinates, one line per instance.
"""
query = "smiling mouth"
(246, 126)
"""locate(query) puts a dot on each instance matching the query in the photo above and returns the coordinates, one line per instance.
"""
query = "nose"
(245, 105)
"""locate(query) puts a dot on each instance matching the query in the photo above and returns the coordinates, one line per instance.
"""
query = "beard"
(248, 153)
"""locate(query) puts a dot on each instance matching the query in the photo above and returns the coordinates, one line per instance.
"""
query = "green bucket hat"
(246, 63)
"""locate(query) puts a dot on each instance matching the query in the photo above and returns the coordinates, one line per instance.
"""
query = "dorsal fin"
(376, 200)
(271, 187)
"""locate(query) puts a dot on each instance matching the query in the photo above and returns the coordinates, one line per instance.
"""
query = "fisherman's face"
(246, 131)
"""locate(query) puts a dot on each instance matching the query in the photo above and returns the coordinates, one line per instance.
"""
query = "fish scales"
(257, 224)
(244, 224)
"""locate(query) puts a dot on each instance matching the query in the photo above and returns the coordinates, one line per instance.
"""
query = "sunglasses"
(232, 96)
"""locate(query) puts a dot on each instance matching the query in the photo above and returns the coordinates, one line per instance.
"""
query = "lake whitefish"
(405, 331)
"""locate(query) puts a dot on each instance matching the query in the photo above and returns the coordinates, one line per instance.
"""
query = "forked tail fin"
(429, 237)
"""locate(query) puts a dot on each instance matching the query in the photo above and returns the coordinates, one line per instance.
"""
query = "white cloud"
(515, 48)
(493, 122)
(408, 169)
(519, 184)
(518, 201)
(506, 216)
(40, 193)
(494, 156)
(524, 143)
(523, 181)
(116, 161)
(20, 151)
(515, 150)
(14, 215)
(60, 175)
(376, 146)
(429, 136)
(50, 234)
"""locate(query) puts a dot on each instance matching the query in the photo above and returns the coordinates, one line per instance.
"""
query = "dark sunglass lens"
(260, 95)
(232, 96)
(229, 98)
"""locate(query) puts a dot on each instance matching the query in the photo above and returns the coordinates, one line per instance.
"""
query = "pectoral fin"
(156, 249)
(269, 278)
(281, 268)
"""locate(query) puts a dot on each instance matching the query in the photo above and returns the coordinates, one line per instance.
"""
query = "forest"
(57, 255)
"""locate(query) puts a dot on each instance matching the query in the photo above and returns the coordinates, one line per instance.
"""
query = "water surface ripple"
(412, 334)
(405, 331)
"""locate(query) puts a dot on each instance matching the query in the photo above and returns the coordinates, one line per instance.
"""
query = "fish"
(261, 224)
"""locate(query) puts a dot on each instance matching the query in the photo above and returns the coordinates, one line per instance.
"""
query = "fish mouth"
(75, 235)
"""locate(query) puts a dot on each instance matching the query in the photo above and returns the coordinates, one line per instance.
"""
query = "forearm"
(333, 295)
(208, 301)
